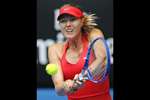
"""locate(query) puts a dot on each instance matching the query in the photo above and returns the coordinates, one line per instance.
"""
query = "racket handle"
(81, 78)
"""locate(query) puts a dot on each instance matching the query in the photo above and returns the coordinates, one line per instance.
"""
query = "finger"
(69, 83)
(76, 77)
(79, 82)
(75, 85)
(73, 89)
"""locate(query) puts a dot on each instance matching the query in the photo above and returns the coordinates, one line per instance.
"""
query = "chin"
(69, 36)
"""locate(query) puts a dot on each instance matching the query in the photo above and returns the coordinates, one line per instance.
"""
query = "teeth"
(69, 30)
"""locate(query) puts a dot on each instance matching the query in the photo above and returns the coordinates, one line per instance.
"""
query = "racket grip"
(81, 78)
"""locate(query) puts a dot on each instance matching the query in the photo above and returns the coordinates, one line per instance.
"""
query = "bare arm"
(58, 77)
(94, 33)
(99, 51)
(62, 87)
(97, 65)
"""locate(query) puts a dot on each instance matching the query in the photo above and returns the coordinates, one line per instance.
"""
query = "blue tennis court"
(49, 94)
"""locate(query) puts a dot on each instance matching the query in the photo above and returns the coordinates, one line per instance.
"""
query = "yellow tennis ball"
(51, 69)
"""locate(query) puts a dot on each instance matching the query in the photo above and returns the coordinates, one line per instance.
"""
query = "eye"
(62, 21)
(67, 18)
(72, 19)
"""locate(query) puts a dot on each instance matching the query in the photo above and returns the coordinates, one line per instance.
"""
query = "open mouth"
(69, 30)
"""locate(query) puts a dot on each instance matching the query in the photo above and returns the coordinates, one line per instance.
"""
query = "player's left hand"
(77, 83)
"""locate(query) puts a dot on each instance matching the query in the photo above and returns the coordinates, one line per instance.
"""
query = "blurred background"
(48, 32)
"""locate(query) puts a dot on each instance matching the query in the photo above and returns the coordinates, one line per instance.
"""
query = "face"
(70, 26)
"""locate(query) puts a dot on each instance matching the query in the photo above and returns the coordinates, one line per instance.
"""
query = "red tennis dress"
(90, 90)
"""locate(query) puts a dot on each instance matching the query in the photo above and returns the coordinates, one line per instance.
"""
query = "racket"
(106, 69)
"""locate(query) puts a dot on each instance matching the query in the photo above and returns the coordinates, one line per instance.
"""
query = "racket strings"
(100, 72)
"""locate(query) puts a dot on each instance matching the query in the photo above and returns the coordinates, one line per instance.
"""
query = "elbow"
(60, 91)
(59, 88)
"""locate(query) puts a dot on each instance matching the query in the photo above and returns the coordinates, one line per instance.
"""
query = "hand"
(78, 83)
(68, 86)
(71, 86)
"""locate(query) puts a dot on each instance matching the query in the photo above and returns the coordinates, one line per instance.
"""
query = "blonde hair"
(91, 27)
(89, 22)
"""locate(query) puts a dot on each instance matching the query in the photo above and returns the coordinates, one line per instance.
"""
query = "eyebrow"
(67, 18)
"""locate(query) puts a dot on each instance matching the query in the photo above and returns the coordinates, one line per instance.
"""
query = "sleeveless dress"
(90, 90)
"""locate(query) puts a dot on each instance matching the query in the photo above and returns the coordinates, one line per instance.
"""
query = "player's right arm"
(58, 77)
(54, 55)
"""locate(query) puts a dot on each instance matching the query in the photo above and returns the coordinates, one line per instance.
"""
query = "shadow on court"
(49, 94)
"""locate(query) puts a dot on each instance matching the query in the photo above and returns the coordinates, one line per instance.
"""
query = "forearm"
(65, 87)
(97, 66)
(60, 90)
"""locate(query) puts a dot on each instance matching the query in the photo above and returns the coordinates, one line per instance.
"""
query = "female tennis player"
(79, 30)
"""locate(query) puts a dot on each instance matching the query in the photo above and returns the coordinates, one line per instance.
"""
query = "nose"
(68, 23)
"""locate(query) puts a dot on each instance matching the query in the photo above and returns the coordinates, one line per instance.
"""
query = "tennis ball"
(51, 69)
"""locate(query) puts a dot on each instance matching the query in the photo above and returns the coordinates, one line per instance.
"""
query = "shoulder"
(56, 45)
(56, 48)
(95, 32)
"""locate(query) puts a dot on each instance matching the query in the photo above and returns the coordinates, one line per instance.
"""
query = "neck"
(76, 43)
